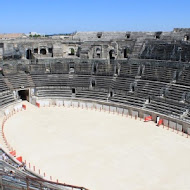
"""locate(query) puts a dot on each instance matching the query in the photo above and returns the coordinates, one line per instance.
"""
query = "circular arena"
(95, 111)
(98, 149)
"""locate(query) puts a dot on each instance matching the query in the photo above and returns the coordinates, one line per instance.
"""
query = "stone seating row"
(6, 98)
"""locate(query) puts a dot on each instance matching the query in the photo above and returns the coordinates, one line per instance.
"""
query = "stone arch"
(72, 51)
(43, 51)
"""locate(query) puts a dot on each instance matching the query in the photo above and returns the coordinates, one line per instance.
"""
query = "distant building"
(35, 34)
(12, 35)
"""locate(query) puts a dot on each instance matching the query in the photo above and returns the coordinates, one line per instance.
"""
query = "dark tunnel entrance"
(24, 94)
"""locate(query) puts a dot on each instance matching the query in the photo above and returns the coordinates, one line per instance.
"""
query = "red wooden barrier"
(148, 118)
(19, 159)
(24, 106)
(13, 153)
(160, 122)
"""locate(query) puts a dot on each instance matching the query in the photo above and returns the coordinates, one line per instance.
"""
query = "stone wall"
(173, 45)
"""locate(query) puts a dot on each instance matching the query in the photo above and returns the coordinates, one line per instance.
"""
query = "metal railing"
(13, 178)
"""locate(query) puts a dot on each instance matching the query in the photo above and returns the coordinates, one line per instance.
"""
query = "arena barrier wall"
(179, 127)
(59, 103)
(42, 103)
(120, 110)
(172, 125)
(18, 107)
(112, 109)
(89, 105)
(7, 112)
(82, 105)
(135, 114)
(127, 110)
(188, 131)
(67, 103)
(75, 104)
(166, 122)
(98, 106)
(106, 108)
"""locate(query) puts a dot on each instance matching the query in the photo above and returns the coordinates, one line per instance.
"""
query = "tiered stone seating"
(6, 98)
(161, 50)
(184, 79)
(105, 69)
(37, 69)
(60, 68)
(122, 84)
(187, 116)
(103, 82)
(14, 176)
(83, 68)
(129, 69)
(80, 81)
(20, 80)
(167, 107)
(51, 80)
(128, 99)
(95, 94)
(3, 86)
(158, 73)
(52, 92)
(178, 92)
(146, 88)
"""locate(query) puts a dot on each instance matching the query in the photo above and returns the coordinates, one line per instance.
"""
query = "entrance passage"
(29, 54)
(24, 94)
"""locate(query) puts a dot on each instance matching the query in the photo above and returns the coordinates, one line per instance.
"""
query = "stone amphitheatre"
(95, 110)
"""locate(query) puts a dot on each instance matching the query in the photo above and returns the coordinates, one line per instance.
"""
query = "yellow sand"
(100, 151)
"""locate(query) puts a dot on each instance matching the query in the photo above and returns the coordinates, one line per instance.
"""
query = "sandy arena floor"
(100, 151)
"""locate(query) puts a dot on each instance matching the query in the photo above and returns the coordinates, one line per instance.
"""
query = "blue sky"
(62, 16)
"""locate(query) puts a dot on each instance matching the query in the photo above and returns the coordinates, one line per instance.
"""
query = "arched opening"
(117, 71)
(24, 94)
(50, 50)
(99, 34)
(72, 51)
(112, 54)
(71, 68)
(43, 51)
(98, 52)
(125, 53)
(36, 50)
(94, 68)
(186, 38)
(127, 36)
(149, 99)
(28, 54)
(93, 83)
(157, 37)
(73, 90)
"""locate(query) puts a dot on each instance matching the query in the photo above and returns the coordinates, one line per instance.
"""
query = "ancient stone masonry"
(173, 46)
